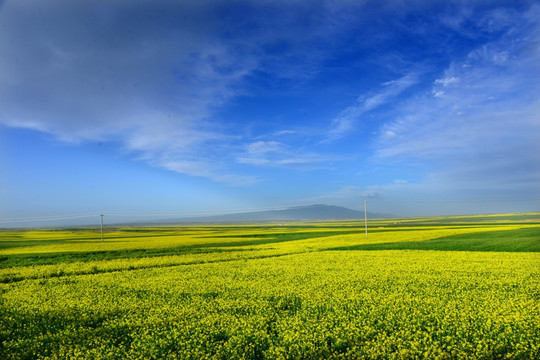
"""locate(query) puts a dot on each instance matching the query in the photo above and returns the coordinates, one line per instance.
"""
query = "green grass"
(422, 288)
(516, 240)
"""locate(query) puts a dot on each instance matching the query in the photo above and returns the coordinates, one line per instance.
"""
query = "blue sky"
(184, 107)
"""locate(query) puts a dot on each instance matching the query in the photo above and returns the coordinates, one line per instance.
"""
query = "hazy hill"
(312, 212)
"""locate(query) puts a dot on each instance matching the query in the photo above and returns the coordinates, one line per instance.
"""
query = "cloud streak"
(151, 75)
(246, 92)
(346, 120)
(477, 113)
(148, 76)
(276, 154)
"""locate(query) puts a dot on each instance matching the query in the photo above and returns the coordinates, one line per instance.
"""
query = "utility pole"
(101, 227)
(365, 215)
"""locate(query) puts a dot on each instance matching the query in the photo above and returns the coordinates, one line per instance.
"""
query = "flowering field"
(432, 288)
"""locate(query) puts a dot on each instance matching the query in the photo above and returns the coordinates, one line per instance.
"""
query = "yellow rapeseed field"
(433, 288)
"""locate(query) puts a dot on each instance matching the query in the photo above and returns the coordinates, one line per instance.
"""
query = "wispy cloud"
(284, 132)
(276, 154)
(148, 77)
(480, 118)
(152, 77)
(347, 119)
(202, 169)
(169, 83)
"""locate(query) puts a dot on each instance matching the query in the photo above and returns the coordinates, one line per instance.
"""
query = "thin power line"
(63, 217)
(216, 212)
(463, 201)
(185, 213)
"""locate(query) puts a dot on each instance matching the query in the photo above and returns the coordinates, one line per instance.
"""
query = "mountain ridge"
(297, 213)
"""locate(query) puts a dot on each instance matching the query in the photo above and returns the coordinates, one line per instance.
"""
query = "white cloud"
(346, 120)
(284, 132)
(437, 93)
(263, 147)
(149, 77)
(148, 74)
(400, 182)
(275, 154)
(447, 81)
(479, 124)
(198, 168)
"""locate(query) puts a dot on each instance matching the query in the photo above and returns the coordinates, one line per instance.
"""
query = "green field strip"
(516, 240)
(92, 268)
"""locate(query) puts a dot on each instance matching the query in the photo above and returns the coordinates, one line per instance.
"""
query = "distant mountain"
(312, 212)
